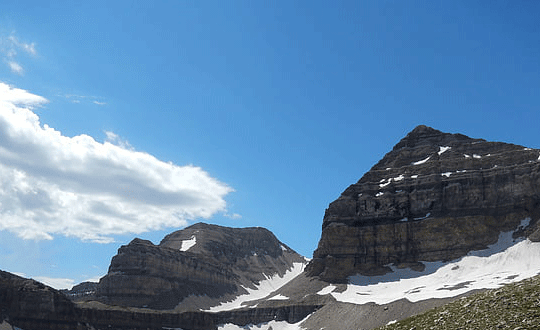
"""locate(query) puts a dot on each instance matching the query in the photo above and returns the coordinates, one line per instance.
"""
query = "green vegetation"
(514, 306)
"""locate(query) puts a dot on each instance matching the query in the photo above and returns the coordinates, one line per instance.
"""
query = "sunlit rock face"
(202, 261)
(435, 197)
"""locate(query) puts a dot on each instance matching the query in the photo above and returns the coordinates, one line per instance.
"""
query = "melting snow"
(326, 290)
(188, 243)
(275, 325)
(443, 149)
(504, 262)
(263, 289)
(421, 161)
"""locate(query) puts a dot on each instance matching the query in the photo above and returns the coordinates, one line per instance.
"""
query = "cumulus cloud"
(51, 184)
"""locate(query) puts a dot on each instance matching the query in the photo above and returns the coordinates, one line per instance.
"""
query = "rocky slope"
(30, 305)
(515, 306)
(209, 264)
(435, 197)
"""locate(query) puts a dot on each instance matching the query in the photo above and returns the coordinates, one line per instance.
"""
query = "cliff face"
(30, 305)
(434, 197)
(201, 260)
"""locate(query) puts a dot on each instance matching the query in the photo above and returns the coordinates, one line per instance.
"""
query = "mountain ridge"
(439, 217)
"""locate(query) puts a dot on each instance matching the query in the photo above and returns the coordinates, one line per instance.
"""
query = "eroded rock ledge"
(434, 197)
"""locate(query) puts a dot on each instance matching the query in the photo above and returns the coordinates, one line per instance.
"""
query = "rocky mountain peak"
(435, 196)
(424, 135)
(201, 260)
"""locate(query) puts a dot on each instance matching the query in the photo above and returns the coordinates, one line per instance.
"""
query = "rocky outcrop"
(434, 197)
(30, 305)
(201, 260)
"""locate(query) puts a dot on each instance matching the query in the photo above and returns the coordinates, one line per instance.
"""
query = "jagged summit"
(435, 196)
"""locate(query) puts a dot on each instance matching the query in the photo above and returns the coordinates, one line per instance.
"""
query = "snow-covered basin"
(504, 262)
(274, 325)
(263, 289)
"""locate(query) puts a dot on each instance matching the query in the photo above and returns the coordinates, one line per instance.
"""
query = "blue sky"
(270, 109)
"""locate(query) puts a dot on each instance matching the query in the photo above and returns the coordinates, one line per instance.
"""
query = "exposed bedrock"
(435, 197)
(201, 260)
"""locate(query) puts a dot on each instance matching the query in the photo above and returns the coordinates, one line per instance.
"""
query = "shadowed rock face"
(201, 260)
(434, 197)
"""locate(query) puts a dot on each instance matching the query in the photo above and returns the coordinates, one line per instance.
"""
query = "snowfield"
(274, 325)
(504, 262)
(263, 289)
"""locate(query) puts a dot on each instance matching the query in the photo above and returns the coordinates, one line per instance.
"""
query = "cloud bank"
(52, 184)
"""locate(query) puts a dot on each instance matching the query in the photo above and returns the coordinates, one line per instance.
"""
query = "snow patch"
(414, 176)
(443, 150)
(504, 262)
(446, 174)
(477, 156)
(380, 193)
(279, 297)
(263, 289)
(284, 249)
(421, 161)
(274, 325)
(467, 156)
(399, 178)
(327, 290)
(188, 243)
(382, 185)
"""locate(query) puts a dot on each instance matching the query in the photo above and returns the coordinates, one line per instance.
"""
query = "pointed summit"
(434, 197)
(424, 135)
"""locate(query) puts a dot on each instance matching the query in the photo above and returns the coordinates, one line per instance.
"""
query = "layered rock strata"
(30, 305)
(201, 260)
(435, 197)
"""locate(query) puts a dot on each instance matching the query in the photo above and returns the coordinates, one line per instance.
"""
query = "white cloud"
(56, 283)
(51, 184)
(29, 48)
(113, 138)
(100, 103)
(9, 47)
(16, 68)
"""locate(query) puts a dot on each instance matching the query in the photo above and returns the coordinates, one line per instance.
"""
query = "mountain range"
(440, 217)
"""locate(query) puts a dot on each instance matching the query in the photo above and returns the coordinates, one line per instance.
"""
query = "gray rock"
(435, 197)
(219, 263)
